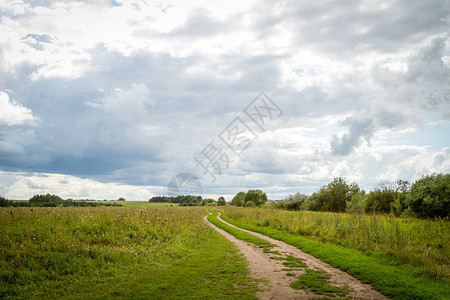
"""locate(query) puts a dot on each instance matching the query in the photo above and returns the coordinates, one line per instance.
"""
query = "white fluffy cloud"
(13, 113)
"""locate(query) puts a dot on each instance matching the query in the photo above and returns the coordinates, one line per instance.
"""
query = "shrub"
(333, 196)
(249, 204)
(430, 196)
(356, 204)
(384, 198)
(292, 202)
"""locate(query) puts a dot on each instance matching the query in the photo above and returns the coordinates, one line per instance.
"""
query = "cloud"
(200, 24)
(23, 186)
(347, 28)
(37, 41)
(13, 113)
(358, 130)
(128, 94)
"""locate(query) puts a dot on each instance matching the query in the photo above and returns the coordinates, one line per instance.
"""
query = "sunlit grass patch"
(318, 282)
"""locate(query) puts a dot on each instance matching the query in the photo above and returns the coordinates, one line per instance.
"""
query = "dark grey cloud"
(358, 130)
(130, 116)
(424, 87)
(349, 27)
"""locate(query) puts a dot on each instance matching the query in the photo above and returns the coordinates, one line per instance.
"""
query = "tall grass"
(54, 251)
(423, 243)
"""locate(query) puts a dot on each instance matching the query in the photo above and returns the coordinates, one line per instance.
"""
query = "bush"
(208, 201)
(249, 204)
(292, 202)
(384, 198)
(356, 204)
(333, 196)
(430, 196)
(379, 201)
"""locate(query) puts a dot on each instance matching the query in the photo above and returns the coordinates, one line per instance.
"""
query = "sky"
(109, 99)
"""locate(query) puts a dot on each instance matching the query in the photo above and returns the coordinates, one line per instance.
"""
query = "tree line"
(428, 197)
(47, 200)
(189, 200)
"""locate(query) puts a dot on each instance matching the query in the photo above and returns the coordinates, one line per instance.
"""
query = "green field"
(151, 250)
(127, 252)
(145, 203)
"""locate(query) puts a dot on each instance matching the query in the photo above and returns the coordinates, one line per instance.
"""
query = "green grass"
(404, 281)
(293, 262)
(317, 281)
(241, 235)
(145, 203)
(422, 243)
(125, 252)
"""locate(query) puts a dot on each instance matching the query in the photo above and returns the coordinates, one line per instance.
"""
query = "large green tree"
(333, 196)
(238, 200)
(221, 201)
(430, 196)
(256, 196)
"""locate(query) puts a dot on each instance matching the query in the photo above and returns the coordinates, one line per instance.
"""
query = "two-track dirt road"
(276, 281)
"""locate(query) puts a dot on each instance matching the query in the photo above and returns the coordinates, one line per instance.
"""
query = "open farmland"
(104, 252)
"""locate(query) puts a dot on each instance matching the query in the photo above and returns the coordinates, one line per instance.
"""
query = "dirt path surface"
(277, 280)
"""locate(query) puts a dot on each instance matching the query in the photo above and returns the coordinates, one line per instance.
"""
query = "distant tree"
(121, 199)
(430, 196)
(238, 200)
(256, 196)
(3, 202)
(177, 199)
(333, 196)
(160, 199)
(208, 201)
(221, 201)
(46, 199)
(188, 200)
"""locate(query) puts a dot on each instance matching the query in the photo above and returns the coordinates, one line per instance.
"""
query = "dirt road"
(277, 278)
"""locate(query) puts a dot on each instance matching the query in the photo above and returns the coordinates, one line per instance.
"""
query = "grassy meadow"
(151, 250)
(146, 203)
(406, 251)
(128, 252)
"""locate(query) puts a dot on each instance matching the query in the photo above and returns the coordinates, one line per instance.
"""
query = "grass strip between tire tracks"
(399, 282)
(239, 234)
